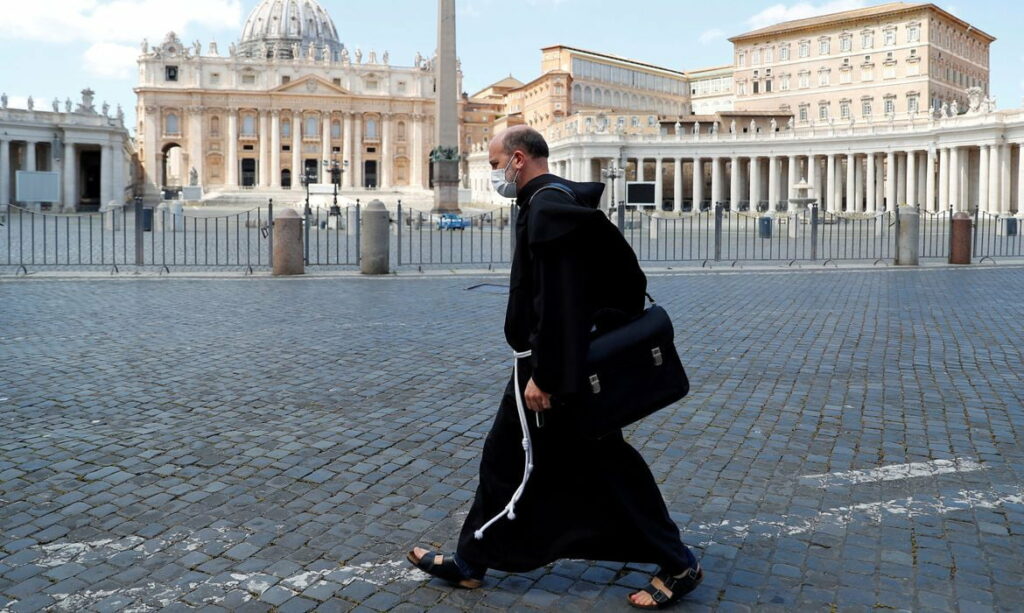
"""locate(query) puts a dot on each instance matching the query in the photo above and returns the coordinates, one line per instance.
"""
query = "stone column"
(890, 181)
(872, 193)
(994, 171)
(734, 183)
(773, 182)
(879, 181)
(755, 182)
(151, 148)
(325, 141)
(263, 179)
(385, 151)
(357, 150)
(107, 174)
(851, 182)
(792, 172)
(5, 172)
(698, 183)
(912, 178)
(677, 185)
(195, 143)
(297, 169)
(814, 170)
(417, 152)
(830, 179)
(30, 156)
(716, 181)
(858, 181)
(1020, 179)
(954, 180)
(983, 203)
(659, 187)
(1004, 179)
(901, 178)
(346, 149)
(118, 179)
(231, 165)
(929, 181)
(943, 179)
(275, 149)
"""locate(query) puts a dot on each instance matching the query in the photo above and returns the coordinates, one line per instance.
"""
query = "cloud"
(780, 12)
(709, 36)
(113, 21)
(110, 60)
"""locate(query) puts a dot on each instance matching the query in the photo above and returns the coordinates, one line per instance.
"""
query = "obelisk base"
(446, 186)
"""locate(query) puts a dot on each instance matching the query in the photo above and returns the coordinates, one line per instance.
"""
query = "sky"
(56, 48)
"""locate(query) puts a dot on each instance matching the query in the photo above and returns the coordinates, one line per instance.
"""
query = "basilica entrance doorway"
(248, 172)
(370, 174)
(172, 171)
(312, 171)
(286, 178)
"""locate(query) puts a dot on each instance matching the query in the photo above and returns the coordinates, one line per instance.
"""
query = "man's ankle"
(468, 569)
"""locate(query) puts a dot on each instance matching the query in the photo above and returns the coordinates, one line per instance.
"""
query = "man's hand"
(536, 400)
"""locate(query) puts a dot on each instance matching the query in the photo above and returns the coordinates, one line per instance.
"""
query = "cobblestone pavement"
(853, 440)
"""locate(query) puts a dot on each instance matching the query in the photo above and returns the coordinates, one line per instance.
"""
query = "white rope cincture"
(510, 508)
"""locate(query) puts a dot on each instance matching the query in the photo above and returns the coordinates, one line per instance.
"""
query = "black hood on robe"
(559, 214)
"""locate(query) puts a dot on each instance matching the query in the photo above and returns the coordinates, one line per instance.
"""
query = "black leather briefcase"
(632, 371)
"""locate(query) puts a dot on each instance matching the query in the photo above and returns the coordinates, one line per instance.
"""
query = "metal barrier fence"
(934, 233)
(137, 237)
(731, 236)
(996, 236)
(425, 239)
(168, 238)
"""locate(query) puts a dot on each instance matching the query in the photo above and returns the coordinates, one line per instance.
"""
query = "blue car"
(451, 221)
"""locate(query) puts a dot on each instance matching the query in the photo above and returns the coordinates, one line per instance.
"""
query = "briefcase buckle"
(595, 384)
(658, 360)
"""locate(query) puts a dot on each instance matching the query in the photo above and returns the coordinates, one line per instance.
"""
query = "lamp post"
(336, 170)
(307, 178)
(612, 173)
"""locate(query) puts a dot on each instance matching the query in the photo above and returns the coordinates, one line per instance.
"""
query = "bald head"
(521, 151)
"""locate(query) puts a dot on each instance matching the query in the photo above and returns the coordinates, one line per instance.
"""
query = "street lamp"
(612, 173)
(336, 171)
(308, 177)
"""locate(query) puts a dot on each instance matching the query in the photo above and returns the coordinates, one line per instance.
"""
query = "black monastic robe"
(572, 271)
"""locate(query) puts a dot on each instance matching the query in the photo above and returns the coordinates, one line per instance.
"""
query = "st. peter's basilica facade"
(287, 100)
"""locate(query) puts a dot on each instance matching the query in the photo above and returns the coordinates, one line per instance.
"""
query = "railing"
(996, 236)
(426, 239)
(34, 239)
(733, 236)
(935, 233)
(333, 239)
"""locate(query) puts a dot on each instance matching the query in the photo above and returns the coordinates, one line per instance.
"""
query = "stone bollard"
(113, 215)
(960, 239)
(908, 237)
(351, 219)
(288, 243)
(374, 242)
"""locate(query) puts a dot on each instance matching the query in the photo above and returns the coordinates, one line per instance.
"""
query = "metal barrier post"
(718, 232)
(399, 232)
(359, 223)
(814, 232)
(270, 232)
(140, 254)
(620, 213)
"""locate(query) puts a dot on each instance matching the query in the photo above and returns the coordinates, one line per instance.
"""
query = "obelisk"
(445, 156)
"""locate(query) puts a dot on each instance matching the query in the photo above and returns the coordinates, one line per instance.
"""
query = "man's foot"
(665, 590)
(443, 567)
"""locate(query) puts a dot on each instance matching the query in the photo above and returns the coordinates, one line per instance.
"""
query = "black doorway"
(312, 170)
(89, 180)
(370, 173)
(248, 172)
(286, 178)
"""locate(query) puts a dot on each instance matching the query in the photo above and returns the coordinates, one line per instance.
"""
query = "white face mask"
(499, 179)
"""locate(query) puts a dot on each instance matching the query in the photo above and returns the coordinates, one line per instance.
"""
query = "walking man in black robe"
(572, 271)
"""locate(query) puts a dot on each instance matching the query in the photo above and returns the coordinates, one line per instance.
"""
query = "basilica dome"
(282, 27)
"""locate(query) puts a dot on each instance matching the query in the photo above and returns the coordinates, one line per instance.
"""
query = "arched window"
(310, 128)
(172, 125)
(335, 129)
(371, 128)
(215, 126)
(286, 128)
(248, 125)
(401, 130)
